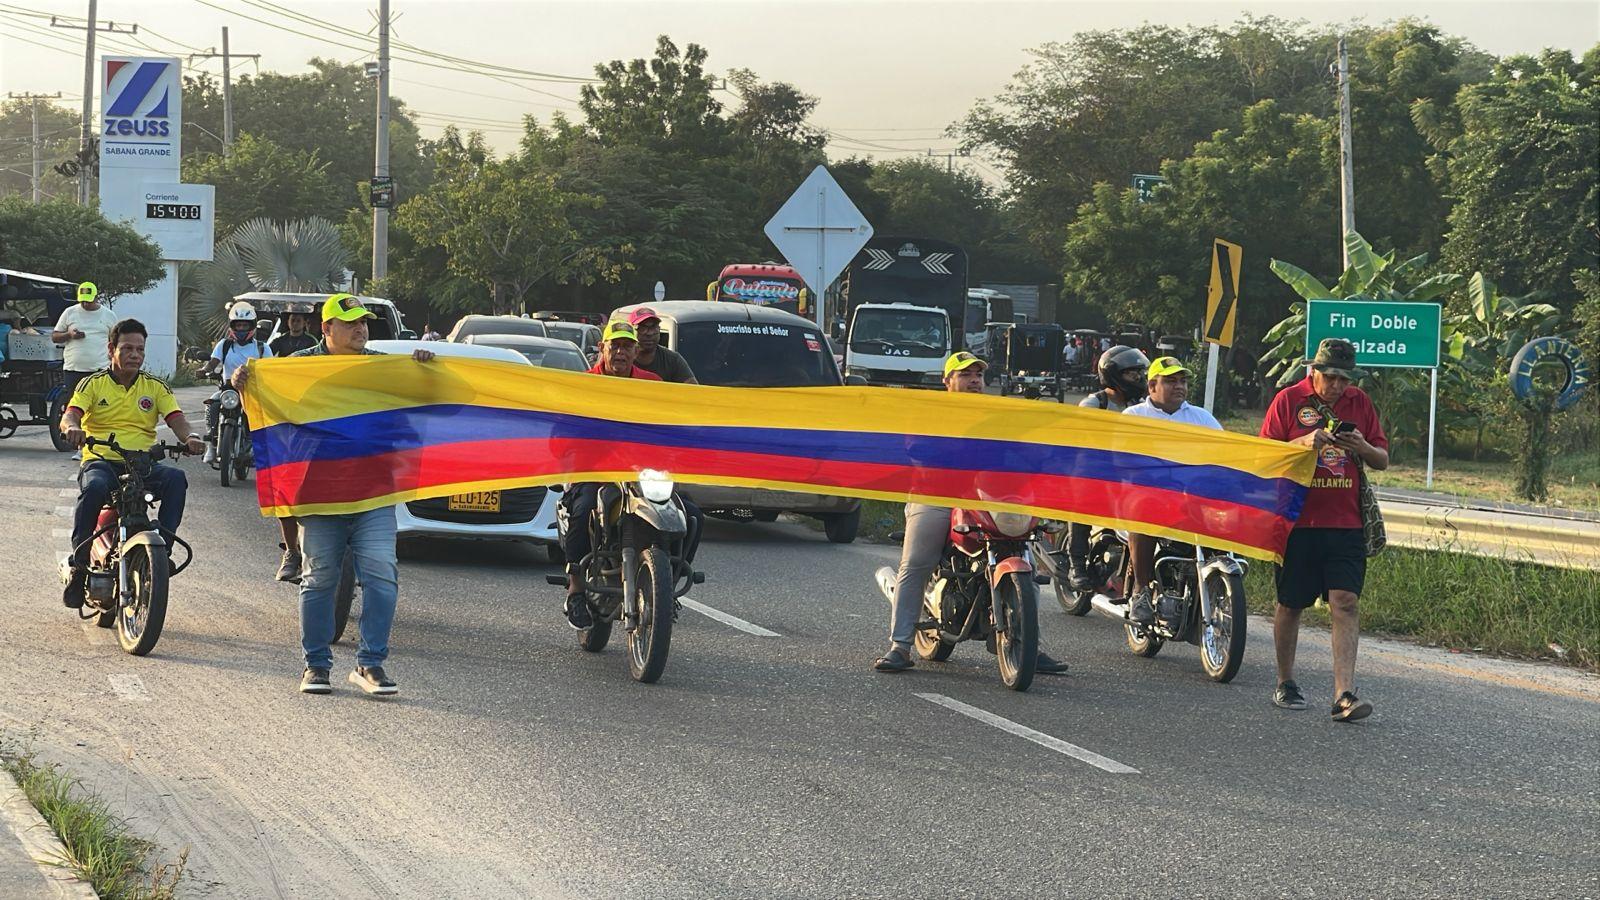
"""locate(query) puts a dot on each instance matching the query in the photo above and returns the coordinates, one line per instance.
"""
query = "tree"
(76, 243)
(503, 226)
(1266, 185)
(328, 111)
(1525, 176)
(259, 179)
(58, 135)
(1107, 104)
(665, 103)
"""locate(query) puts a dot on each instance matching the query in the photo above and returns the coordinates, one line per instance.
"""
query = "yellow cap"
(87, 292)
(959, 361)
(1167, 365)
(346, 308)
(619, 329)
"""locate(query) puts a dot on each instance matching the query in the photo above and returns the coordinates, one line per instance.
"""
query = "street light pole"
(380, 214)
(1347, 175)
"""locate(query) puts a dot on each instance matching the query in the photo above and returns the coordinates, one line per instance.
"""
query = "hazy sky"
(890, 74)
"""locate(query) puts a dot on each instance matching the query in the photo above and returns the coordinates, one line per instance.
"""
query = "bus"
(763, 284)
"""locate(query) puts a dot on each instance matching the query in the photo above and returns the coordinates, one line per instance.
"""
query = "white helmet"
(242, 312)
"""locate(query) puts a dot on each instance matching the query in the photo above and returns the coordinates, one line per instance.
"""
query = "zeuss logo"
(138, 106)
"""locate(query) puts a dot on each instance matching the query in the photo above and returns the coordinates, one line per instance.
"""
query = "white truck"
(898, 344)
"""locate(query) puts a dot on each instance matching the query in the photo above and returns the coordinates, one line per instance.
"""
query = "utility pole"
(227, 84)
(85, 140)
(38, 148)
(1347, 175)
(950, 159)
(380, 169)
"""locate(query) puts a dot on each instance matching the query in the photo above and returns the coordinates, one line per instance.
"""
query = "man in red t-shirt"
(619, 344)
(1326, 552)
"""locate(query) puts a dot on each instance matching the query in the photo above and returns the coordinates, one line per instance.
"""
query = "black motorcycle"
(1198, 596)
(235, 455)
(129, 557)
(637, 570)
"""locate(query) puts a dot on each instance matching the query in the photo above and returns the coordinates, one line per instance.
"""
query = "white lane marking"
(61, 532)
(64, 512)
(129, 687)
(1038, 737)
(67, 492)
(724, 618)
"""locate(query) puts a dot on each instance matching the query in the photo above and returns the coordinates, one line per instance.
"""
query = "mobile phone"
(1344, 428)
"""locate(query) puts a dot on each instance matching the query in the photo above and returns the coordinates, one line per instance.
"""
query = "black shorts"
(1319, 560)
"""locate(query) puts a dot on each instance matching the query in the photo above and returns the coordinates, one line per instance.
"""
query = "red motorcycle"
(984, 587)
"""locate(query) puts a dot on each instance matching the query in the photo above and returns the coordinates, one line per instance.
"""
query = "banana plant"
(1370, 276)
(1496, 325)
(1400, 395)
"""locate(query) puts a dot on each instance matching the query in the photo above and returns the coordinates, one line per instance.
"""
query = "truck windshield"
(916, 333)
(740, 353)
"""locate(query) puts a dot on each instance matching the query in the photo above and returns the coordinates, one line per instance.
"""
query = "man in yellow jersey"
(125, 401)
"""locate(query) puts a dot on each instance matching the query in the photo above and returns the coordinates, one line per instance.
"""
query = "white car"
(527, 515)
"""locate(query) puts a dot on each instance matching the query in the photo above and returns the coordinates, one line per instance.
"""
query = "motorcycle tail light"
(1013, 524)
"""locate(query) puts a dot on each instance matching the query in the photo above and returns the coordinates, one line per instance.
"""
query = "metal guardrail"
(1566, 543)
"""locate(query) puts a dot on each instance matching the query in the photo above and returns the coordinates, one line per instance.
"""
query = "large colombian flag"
(340, 434)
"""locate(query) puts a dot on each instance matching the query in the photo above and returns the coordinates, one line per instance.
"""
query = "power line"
(56, 47)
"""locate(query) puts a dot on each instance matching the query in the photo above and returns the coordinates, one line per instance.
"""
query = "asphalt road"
(513, 765)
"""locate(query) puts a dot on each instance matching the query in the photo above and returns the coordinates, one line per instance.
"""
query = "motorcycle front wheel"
(929, 644)
(652, 634)
(139, 622)
(225, 441)
(1073, 603)
(1222, 639)
(1017, 648)
(241, 455)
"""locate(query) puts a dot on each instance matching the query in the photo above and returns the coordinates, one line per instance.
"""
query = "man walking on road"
(927, 530)
(1326, 552)
(84, 333)
(325, 539)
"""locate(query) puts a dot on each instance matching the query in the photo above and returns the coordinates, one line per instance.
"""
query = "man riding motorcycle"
(233, 351)
(1122, 374)
(1168, 387)
(125, 401)
(619, 345)
(927, 532)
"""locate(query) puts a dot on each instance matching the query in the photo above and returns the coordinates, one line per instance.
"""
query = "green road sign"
(1386, 334)
(1146, 185)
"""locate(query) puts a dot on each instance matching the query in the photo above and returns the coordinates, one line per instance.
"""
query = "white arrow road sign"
(819, 230)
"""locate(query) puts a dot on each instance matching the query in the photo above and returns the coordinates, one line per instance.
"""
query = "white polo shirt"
(88, 353)
(1188, 415)
(233, 354)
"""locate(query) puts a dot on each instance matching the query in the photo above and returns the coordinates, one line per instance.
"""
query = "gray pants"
(927, 531)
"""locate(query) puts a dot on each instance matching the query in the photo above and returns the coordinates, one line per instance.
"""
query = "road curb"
(18, 817)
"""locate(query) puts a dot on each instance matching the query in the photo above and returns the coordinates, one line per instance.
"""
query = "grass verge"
(1515, 609)
(100, 847)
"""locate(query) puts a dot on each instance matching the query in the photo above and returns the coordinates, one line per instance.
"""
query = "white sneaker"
(210, 458)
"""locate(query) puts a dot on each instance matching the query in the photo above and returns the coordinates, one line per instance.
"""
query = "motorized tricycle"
(33, 387)
(1029, 359)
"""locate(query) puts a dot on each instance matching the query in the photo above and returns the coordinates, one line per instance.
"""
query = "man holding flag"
(369, 536)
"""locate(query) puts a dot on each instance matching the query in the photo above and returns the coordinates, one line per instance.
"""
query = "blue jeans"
(98, 478)
(369, 537)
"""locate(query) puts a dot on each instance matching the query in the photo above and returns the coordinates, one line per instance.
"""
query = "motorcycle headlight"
(1013, 524)
(655, 485)
(229, 400)
(149, 497)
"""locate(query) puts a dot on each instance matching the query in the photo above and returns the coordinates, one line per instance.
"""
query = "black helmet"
(1124, 369)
